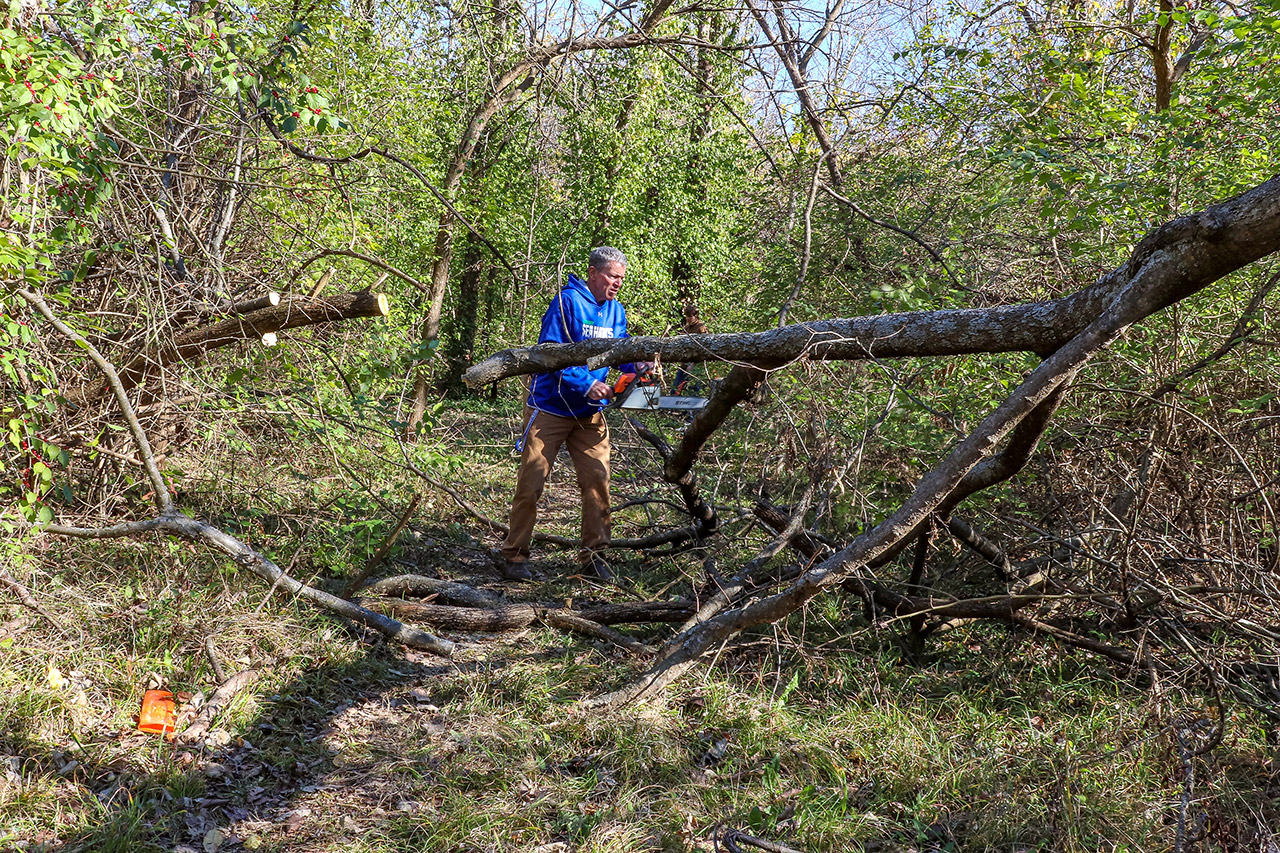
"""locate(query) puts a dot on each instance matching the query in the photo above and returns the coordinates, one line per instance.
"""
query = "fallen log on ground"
(422, 586)
(468, 608)
(516, 616)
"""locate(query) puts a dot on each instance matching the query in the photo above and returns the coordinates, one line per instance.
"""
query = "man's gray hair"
(602, 255)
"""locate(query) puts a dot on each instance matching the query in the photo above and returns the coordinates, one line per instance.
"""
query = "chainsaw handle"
(623, 382)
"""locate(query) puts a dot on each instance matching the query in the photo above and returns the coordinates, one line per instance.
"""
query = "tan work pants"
(588, 440)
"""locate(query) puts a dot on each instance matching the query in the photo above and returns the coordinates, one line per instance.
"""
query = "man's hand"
(599, 391)
(643, 367)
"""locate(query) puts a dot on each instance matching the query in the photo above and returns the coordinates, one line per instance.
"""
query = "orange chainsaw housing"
(623, 381)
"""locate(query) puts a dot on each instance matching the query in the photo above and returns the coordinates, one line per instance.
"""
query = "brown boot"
(515, 571)
(597, 567)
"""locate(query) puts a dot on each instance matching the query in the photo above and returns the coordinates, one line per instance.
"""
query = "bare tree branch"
(198, 531)
(164, 500)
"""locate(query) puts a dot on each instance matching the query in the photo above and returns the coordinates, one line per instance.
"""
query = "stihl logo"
(590, 331)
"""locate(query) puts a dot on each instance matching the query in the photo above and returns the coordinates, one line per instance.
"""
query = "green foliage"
(250, 57)
(1069, 118)
(54, 105)
(664, 173)
(28, 459)
(1029, 157)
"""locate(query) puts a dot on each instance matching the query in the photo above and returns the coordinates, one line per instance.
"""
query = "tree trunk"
(462, 342)
(1162, 59)
(503, 91)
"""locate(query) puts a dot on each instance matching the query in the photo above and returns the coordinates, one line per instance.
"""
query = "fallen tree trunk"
(288, 313)
(468, 608)
(495, 620)
(1193, 250)
(446, 591)
(1171, 263)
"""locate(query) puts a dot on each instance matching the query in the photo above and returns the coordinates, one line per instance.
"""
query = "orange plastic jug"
(157, 715)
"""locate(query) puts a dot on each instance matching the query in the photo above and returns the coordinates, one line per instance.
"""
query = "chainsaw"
(643, 393)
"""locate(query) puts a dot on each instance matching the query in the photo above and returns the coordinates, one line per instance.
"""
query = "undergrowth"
(826, 733)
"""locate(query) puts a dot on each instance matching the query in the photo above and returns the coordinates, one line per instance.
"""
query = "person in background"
(693, 325)
(564, 407)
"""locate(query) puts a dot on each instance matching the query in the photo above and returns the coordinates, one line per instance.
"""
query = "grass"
(817, 735)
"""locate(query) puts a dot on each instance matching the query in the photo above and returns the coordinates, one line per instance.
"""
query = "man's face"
(605, 282)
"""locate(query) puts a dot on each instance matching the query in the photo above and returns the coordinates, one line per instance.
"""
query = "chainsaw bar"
(649, 398)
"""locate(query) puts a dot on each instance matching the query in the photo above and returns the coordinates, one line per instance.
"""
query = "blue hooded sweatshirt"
(575, 315)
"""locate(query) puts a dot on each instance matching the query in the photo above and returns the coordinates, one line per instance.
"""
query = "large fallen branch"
(1173, 262)
(513, 617)
(466, 608)
(1193, 250)
(461, 596)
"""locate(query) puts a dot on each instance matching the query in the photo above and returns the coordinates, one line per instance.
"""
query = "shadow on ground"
(345, 756)
(313, 756)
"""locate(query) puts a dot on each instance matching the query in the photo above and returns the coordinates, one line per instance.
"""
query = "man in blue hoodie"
(565, 407)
